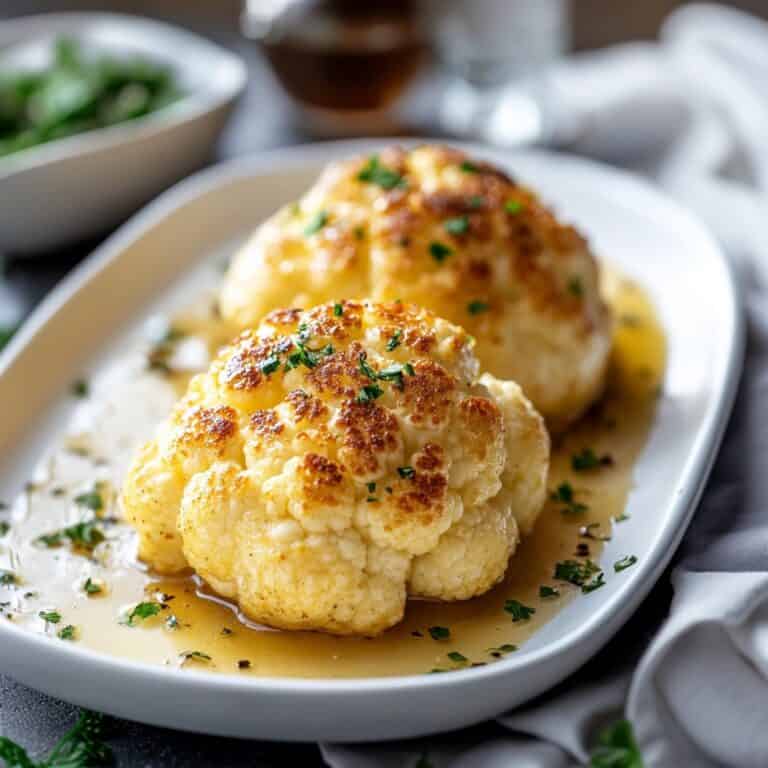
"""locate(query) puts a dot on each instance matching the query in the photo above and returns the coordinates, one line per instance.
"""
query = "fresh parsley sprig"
(80, 747)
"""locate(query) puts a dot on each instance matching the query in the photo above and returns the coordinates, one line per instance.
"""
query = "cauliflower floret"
(456, 236)
(333, 462)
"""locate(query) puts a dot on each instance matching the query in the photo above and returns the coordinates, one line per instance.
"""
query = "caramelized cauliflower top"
(334, 461)
(455, 235)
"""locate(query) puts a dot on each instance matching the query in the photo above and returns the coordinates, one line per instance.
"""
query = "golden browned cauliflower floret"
(335, 461)
(457, 236)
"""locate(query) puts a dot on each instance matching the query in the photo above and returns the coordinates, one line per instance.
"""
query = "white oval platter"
(645, 234)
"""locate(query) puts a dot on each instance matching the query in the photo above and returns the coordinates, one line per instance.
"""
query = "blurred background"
(320, 69)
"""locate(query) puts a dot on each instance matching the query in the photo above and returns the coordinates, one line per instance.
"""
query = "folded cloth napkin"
(691, 676)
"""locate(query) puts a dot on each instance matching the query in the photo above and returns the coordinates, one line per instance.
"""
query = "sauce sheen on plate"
(70, 578)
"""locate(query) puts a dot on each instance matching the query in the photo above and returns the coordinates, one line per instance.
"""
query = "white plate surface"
(642, 232)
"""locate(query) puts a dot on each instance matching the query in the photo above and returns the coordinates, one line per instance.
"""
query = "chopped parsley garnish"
(369, 393)
(456, 226)
(92, 587)
(80, 388)
(476, 201)
(7, 578)
(587, 532)
(518, 611)
(50, 617)
(439, 251)
(66, 633)
(468, 167)
(394, 340)
(459, 658)
(84, 535)
(513, 206)
(587, 575)
(366, 369)
(499, 651)
(477, 307)
(243, 664)
(407, 473)
(616, 748)
(371, 487)
(439, 633)
(316, 223)
(394, 373)
(304, 355)
(575, 288)
(626, 562)
(142, 611)
(270, 365)
(621, 518)
(547, 591)
(4, 528)
(194, 656)
(338, 310)
(376, 173)
(564, 494)
(91, 500)
(587, 459)
(80, 747)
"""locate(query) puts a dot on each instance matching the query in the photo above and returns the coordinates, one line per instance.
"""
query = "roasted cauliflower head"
(457, 236)
(333, 462)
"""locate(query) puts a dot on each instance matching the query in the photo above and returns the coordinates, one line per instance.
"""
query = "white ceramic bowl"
(84, 184)
(647, 235)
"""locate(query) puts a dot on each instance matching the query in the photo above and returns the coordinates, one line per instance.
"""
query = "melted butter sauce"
(106, 431)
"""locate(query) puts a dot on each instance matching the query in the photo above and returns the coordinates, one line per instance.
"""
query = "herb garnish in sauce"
(92, 587)
(142, 611)
(477, 307)
(67, 633)
(565, 495)
(439, 633)
(587, 575)
(80, 388)
(587, 459)
(518, 611)
(626, 562)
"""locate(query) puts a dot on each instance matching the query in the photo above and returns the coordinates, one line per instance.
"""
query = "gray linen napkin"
(696, 692)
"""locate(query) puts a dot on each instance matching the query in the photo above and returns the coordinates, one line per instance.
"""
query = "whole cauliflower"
(333, 462)
(433, 227)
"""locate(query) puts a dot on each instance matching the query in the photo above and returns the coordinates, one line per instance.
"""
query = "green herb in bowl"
(78, 93)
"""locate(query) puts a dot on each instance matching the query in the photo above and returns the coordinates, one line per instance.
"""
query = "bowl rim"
(611, 613)
(190, 106)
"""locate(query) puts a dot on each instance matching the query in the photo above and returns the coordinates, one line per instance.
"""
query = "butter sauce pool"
(192, 628)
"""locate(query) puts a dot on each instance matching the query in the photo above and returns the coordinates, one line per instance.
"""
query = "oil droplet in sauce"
(192, 627)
